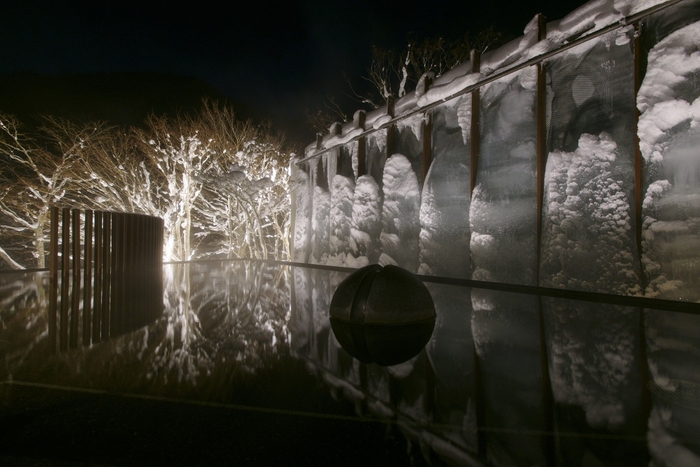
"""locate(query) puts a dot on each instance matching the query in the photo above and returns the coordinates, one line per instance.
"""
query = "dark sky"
(279, 59)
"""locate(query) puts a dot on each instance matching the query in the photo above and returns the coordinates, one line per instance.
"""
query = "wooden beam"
(65, 277)
(53, 280)
(75, 289)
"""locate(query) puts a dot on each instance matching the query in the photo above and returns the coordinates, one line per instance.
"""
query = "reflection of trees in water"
(22, 325)
(219, 320)
(237, 312)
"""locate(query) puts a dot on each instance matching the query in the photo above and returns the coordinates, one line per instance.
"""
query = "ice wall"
(399, 237)
(586, 237)
(342, 198)
(669, 135)
(444, 211)
(320, 239)
(588, 232)
(301, 197)
(503, 210)
(366, 224)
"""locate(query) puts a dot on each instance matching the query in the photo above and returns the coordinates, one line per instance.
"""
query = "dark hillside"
(118, 98)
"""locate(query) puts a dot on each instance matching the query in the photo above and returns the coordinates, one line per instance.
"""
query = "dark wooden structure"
(113, 285)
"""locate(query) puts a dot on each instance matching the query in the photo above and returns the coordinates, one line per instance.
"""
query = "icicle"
(464, 117)
(415, 123)
(353, 152)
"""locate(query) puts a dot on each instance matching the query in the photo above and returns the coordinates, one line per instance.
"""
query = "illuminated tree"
(219, 184)
(36, 175)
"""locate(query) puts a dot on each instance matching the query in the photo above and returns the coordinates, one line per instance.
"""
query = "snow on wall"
(366, 223)
(669, 134)
(399, 237)
(585, 240)
(342, 197)
(320, 226)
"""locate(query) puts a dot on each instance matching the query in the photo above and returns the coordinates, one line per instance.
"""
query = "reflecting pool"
(243, 366)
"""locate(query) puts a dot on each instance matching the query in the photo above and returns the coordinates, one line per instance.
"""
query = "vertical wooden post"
(160, 225)
(479, 406)
(97, 309)
(75, 290)
(53, 280)
(541, 141)
(138, 266)
(644, 371)
(639, 219)
(391, 130)
(549, 440)
(359, 121)
(127, 271)
(361, 157)
(114, 273)
(87, 280)
(137, 291)
(123, 253)
(475, 130)
(151, 258)
(106, 274)
(65, 277)
(638, 161)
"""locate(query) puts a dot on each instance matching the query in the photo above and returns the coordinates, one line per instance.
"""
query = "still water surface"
(243, 367)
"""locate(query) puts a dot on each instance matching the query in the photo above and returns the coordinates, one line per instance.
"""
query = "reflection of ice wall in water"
(342, 197)
(669, 134)
(300, 319)
(505, 328)
(503, 210)
(585, 242)
(592, 352)
(451, 354)
(320, 300)
(399, 237)
(366, 223)
(673, 347)
(444, 211)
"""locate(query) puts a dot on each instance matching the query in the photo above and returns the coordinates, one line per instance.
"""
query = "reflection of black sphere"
(383, 315)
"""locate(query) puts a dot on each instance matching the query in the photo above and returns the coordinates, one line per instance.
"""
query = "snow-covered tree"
(38, 171)
(220, 184)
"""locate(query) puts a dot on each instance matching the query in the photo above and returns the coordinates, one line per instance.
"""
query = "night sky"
(271, 61)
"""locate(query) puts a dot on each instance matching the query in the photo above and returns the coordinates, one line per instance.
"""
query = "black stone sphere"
(382, 315)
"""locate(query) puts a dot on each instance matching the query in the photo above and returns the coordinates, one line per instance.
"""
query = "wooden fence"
(109, 274)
